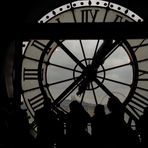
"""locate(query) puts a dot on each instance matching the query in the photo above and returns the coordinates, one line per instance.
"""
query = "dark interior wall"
(138, 6)
(6, 61)
(27, 10)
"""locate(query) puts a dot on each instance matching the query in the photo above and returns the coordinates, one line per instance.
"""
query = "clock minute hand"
(106, 48)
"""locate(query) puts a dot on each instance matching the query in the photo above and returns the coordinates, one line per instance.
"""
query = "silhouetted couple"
(50, 129)
(76, 126)
(108, 130)
(111, 130)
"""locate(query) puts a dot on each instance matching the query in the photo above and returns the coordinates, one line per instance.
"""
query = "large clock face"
(90, 71)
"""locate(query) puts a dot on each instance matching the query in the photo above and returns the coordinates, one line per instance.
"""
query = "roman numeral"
(119, 19)
(142, 88)
(31, 89)
(140, 44)
(30, 58)
(87, 14)
(30, 74)
(134, 111)
(142, 72)
(137, 104)
(141, 99)
(58, 20)
(130, 121)
(38, 45)
(36, 101)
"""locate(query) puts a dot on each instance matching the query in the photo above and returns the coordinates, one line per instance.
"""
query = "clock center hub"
(90, 74)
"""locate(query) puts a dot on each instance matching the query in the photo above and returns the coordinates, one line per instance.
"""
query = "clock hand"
(105, 89)
(68, 90)
(89, 75)
(70, 54)
(95, 64)
(111, 96)
(99, 57)
(107, 48)
(104, 51)
(83, 86)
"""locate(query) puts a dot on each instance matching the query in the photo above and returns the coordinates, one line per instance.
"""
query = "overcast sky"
(119, 57)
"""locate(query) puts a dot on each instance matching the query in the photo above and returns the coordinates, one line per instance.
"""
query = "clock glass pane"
(65, 70)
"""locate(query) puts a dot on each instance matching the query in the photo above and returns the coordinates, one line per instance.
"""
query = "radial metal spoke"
(94, 94)
(115, 67)
(104, 88)
(62, 81)
(64, 67)
(83, 52)
(143, 60)
(70, 54)
(126, 84)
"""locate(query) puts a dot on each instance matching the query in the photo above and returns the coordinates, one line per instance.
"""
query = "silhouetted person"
(99, 127)
(142, 127)
(77, 122)
(19, 128)
(49, 128)
(60, 135)
(4, 135)
(119, 133)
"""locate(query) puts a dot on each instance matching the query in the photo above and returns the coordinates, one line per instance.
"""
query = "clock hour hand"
(68, 90)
